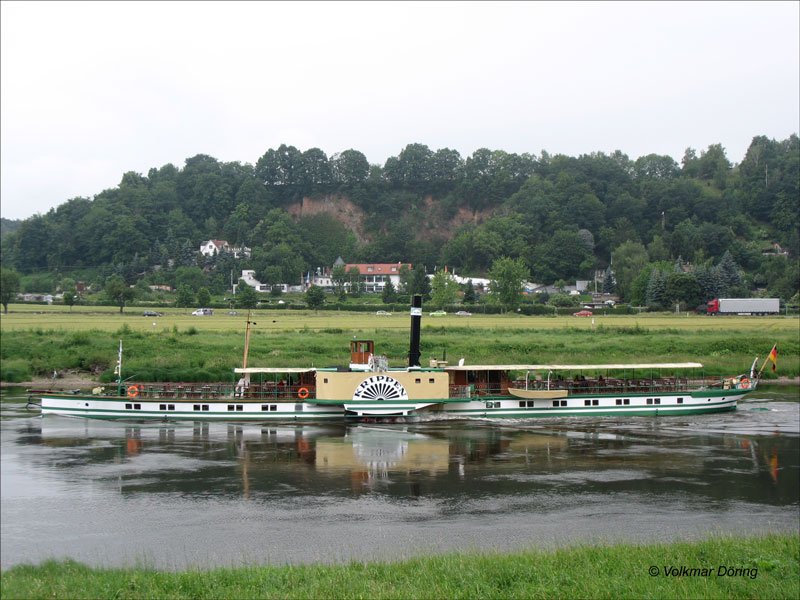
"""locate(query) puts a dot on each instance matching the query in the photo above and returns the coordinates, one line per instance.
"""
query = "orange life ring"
(302, 393)
(133, 391)
(744, 383)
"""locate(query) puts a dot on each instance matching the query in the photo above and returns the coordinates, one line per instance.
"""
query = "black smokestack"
(416, 317)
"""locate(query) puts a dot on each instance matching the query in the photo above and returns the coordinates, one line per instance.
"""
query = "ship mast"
(118, 368)
(246, 341)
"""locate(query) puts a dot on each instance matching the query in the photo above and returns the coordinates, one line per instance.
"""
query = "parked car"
(438, 313)
(151, 313)
(203, 312)
(582, 313)
(464, 313)
(383, 313)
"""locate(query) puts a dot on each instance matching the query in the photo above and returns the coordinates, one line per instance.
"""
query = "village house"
(249, 277)
(46, 298)
(320, 278)
(214, 247)
(479, 284)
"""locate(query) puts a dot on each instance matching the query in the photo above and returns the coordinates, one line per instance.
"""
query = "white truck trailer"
(744, 306)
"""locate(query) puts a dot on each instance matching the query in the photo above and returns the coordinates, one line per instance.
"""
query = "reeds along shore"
(177, 347)
(723, 567)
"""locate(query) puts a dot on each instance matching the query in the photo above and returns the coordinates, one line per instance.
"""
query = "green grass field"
(179, 347)
(108, 318)
(731, 567)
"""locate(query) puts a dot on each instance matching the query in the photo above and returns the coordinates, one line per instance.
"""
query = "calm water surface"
(175, 495)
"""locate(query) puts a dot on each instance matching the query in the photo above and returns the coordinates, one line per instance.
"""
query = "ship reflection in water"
(215, 494)
(425, 458)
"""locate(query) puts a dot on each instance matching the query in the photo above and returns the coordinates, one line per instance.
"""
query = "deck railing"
(592, 386)
(192, 391)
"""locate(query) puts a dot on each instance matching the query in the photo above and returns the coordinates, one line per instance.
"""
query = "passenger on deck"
(241, 386)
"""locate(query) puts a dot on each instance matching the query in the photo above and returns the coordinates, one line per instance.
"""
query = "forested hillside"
(730, 226)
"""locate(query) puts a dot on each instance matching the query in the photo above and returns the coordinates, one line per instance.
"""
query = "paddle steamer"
(367, 388)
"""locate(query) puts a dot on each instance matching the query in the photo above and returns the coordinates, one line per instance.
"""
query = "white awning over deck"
(607, 367)
(253, 370)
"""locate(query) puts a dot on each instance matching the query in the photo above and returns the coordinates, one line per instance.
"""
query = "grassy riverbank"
(726, 567)
(179, 347)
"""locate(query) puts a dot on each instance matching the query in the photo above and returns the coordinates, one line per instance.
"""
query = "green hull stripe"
(543, 413)
(116, 414)
(707, 393)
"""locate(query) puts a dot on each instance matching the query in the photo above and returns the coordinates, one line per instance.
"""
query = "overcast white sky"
(92, 90)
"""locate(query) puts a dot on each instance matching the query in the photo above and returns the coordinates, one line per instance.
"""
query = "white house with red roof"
(375, 275)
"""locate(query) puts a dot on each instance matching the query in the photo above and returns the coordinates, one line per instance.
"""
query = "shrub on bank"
(15, 370)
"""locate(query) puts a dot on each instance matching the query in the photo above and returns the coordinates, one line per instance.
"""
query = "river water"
(181, 495)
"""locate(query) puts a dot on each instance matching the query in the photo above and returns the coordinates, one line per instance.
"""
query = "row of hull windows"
(205, 407)
(138, 406)
(618, 402)
(522, 404)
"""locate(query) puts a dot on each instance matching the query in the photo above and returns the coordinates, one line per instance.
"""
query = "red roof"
(378, 268)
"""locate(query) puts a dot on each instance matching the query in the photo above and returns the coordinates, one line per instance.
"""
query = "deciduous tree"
(444, 289)
(69, 298)
(9, 287)
(629, 259)
(118, 292)
(246, 296)
(315, 297)
(203, 296)
(184, 296)
(506, 277)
